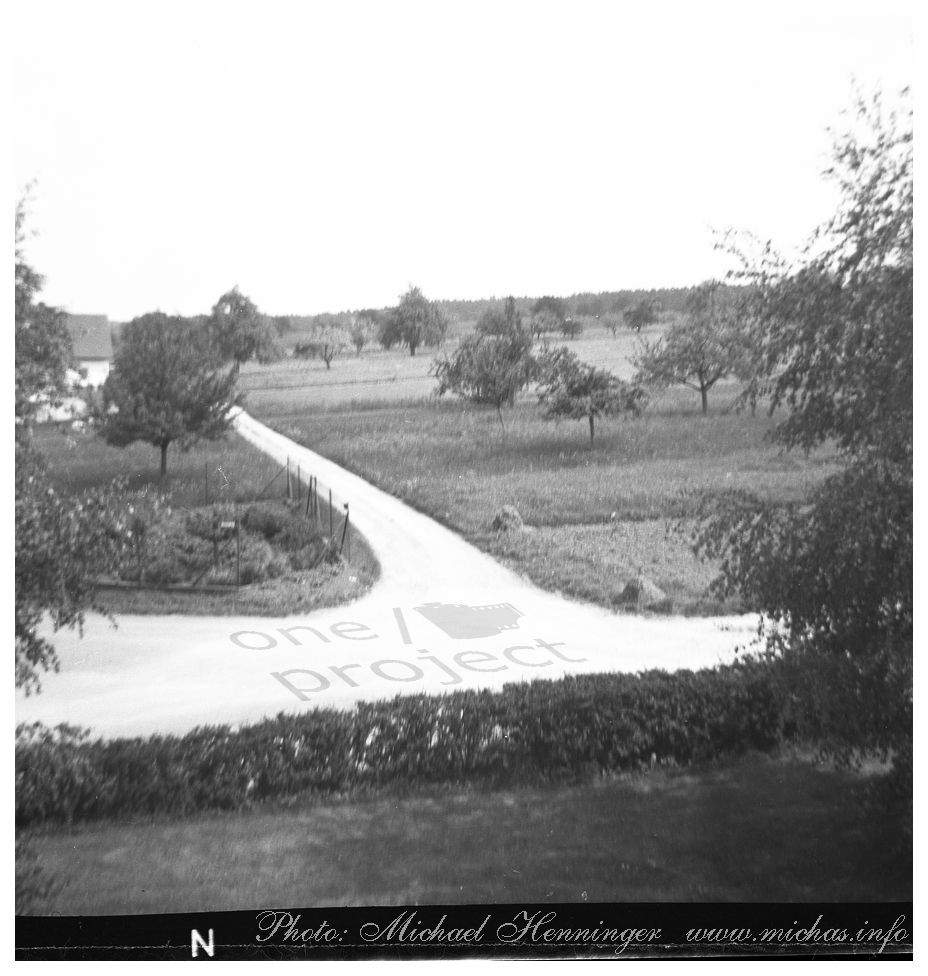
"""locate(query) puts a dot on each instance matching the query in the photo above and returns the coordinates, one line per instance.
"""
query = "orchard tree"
(360, 332)
(611, 321)
(645, 312)
(544, 321)
(835, 350)
(571, 327)
(329, 337)
(500, 321)
(708, 345)
(164, 388)
(242, 333)
(414, 322)
(488, 369)
(573, 389)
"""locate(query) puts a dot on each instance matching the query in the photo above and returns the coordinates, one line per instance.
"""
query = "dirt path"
(443, 616)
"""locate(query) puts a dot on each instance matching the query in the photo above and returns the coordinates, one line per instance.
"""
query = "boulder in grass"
(507, 519)
(645, 595)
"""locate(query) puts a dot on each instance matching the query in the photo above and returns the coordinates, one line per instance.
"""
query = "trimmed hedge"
(535, 732)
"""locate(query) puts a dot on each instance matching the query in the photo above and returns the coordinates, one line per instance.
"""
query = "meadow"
(596, 516)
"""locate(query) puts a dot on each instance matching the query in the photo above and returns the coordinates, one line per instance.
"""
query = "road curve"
(444, 616)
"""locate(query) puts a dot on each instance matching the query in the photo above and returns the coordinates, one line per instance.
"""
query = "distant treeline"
(585, 303)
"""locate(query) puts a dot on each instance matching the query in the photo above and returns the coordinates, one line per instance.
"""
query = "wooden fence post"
(344, 530)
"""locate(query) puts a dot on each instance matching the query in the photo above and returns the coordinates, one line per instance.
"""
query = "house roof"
(91, 336)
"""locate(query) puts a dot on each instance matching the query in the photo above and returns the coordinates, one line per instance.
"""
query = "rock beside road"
(642, 593)
(507, 519)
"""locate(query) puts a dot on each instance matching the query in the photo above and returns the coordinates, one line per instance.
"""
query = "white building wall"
(97, 371)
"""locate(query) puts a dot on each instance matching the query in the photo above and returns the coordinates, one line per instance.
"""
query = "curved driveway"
(443, 616)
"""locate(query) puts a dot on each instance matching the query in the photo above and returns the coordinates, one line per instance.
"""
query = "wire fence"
(221, 529)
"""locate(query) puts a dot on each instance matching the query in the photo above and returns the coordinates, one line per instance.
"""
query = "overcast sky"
(325, 156)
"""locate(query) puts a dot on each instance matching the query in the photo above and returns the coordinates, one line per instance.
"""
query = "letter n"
(196, 940)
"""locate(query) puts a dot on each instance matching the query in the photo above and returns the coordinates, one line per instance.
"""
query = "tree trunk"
(164, 458)
(705, 400)
(591, 428)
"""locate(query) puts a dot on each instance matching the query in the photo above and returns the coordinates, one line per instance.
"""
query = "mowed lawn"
(752, 829)
(598, 515)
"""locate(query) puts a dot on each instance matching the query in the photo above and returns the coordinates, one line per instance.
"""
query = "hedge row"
(525, 733)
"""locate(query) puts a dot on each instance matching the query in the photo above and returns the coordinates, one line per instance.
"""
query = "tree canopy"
(642, 313)
(360, 332)
(43, 350)
(330, 336)
(60, 542)
(709, 344)
(834, 348)
(488, 368)
(500, 321)
(414, 322)
(241, 332)
(573, 389)
(556, 306)
(164, 387)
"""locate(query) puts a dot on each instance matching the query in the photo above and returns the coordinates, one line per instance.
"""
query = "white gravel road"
(443, 616)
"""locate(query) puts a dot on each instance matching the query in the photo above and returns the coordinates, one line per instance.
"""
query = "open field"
(596, 516)
(230, 470)
(752, 829)
(392, 377)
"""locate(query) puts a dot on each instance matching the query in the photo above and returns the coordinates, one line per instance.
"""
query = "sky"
(326, 156)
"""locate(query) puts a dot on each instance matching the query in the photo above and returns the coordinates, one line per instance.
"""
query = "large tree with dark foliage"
(834, 348)
(414, 322)
(165, 388)
(548, 303)
(500, 321)
(241, 332)
(60, 542)
(43, 352)
(642, 313)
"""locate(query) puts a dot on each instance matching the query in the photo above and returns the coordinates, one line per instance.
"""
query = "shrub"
(260, 561)
(528, 732)
(265, 518)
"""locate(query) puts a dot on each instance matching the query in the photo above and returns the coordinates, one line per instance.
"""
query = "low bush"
(265, 518)
(526, 733)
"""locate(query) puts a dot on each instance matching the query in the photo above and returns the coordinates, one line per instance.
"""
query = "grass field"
(597, 516)
(228, 470)
(752, 829)
(390, 378)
